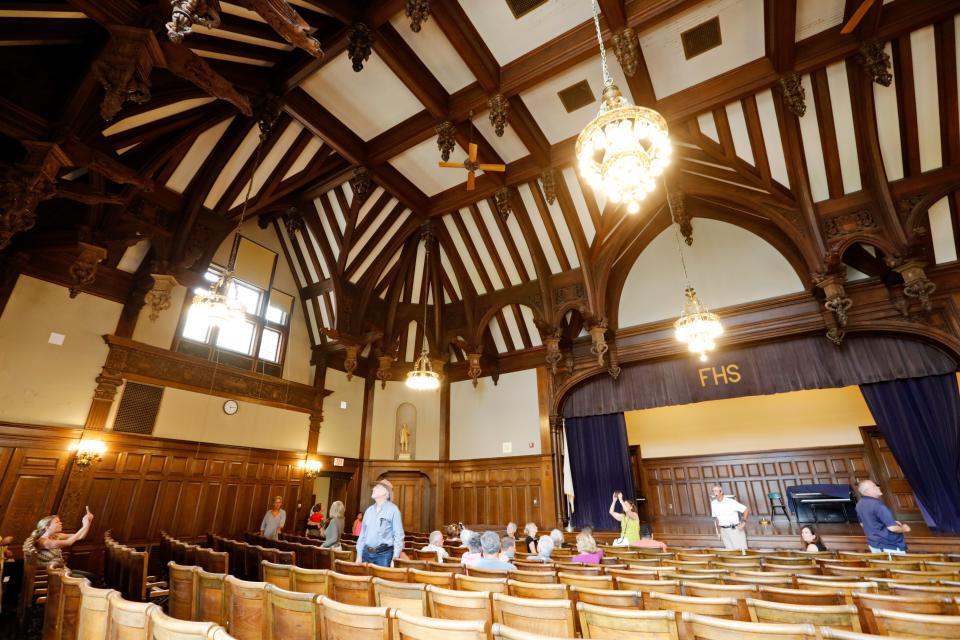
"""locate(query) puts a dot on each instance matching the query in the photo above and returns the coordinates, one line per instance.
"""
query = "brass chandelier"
(624, 148)
(423, 377)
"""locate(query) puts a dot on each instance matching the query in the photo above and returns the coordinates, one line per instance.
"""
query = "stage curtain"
(920, 420)
(600, 464)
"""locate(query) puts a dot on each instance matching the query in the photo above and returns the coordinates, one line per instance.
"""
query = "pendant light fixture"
(623, 149)
(423, 377)
(697, 327)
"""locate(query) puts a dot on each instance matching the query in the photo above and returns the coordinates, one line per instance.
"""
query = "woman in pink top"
(474, 554)
(646, 540)
(587, 550)
(358, 524)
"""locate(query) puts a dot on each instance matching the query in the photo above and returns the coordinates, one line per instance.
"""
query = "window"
(257, 343)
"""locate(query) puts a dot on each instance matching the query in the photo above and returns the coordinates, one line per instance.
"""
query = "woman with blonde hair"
(46, 543)
(273, 520)
(587, 550)
(530, 537)
(334, 525)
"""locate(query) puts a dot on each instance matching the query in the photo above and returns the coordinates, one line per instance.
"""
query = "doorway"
(896, 489)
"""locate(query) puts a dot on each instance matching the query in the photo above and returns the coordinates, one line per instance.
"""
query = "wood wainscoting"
(680, 487)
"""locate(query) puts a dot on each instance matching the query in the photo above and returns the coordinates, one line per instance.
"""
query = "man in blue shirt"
(884, 533)
(490, 545)
(381, 536)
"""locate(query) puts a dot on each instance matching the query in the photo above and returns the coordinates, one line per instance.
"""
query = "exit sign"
(338, 462)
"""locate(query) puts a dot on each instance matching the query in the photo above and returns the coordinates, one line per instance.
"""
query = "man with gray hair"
(381, 537)
(490, 546)
(729, 518)
(884, 533)
(544, 549)
(436, 545)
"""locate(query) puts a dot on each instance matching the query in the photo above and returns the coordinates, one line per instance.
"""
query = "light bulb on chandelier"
(625, 148)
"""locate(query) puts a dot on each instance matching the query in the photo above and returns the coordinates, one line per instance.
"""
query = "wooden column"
(551, 442)
(103, 396)
(445, 420)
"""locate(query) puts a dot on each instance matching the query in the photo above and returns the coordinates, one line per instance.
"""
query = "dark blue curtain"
(920, 420)
(600, 464)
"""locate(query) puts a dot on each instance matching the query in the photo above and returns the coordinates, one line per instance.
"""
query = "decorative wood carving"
(293, 221)
(287, 22)
(502, 201)
(794, 95)
(159, 296)
(125, 66)
(186, 13)
(83, 270)
(185, 63)
(82, 155)
(350, 360)
(22, 187)
(445, 139)
(916, 285)
(418, 11)
(384, 369)
(848, 224)
(474, 370)
(837, 302)
(547, 180)
(599, 347)
(627, 48)
(875, 62)
(360, 183)
(499, 108)
(137, 361)
(681, 217)
(108, 382)
(359, 45)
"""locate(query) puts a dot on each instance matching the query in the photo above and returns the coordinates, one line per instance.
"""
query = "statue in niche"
(405, 432)
(404, 439)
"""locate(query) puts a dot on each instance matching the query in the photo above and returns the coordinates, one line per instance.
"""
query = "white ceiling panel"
(741, 28)
(708, 126)
(814, 16)
(941, 232)
(305, 157)
(738, 130)
(486, 262)
(545, 106)
(812, 149)
(368, 102)
(451, 274)
(521, 243)
(419, 165)
(468, 264)
(497, 335)
(509, 147)
(541, 231)
(435, 51)
(493, 229)
(155, 114)
(418, 265)
(579, 202)
(196, 156)
(133, 256)
(509, 38)
(771, 137)
(928, 106)
(240, 155)
(531, 325)
(843, 125)
(270, 161)
(386, 235)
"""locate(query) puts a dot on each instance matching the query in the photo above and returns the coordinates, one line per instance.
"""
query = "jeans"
(381, 558)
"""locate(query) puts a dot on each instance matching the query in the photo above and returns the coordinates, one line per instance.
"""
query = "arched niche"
(405, 432)
(727, 265)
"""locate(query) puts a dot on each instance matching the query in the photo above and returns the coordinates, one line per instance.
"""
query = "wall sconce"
(311, 468)
(89, 452)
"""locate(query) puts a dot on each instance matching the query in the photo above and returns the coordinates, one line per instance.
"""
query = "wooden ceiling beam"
(412, 72)
(453, 21)
(828, 133)
(26, 32)
(780, 25)
(406, 135)
(109, 11)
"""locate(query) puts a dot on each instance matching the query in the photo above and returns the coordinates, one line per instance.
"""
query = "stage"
(690, 532)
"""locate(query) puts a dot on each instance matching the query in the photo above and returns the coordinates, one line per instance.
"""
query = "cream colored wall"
(43, 383)
(727, 265)
(160, 332)
(185, 415)
(321, 493)
(800, 419)
(385, 403)
(340, 433)
(482, 419)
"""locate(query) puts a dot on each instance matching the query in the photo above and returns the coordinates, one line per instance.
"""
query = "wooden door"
(411, 493)
(338, 489)
(897, 492)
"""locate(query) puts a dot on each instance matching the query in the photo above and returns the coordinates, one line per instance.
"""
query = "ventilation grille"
(576, 96)
(701, 38)
(138, 408)
(520, 8)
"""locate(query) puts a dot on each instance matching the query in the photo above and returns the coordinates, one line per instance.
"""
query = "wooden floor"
(690, 532)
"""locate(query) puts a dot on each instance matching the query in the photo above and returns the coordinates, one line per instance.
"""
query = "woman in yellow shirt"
(629, 520)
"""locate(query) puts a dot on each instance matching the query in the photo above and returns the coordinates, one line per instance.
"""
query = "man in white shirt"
(436, 545)
(730, 518)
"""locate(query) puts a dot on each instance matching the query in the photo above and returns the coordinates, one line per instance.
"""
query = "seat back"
(846, 588)
(472, 583)
(291, 614)
(215, 561)
(414, 627)
(404, 596)
(915, 625)
(210, 597)
(245, 604)
(53, 608)
(842, 616)
(436, 578)
(707, 590)
(182, 602)
(716, 607)
(542, 577)
(546, 617)
(700, 627)
(164, 627)
(591, 582)
(316, 581)
(350, 568)
(503, 632)
(398, 574)
(128, 620)
(904, 589)
(458, 605)
(486, 573)
(607, 597)
(355, 590)
(70, 599)
(801, 596)
(605, 622)
(94, 613)
(540, 591)
(276, 574)
(744, 578)
(339, 621)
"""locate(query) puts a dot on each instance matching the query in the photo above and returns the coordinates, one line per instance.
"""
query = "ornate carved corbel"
(360, 183)
(83, 271)
(384, 373)
(124, 68)
(445, 139)
(599, 347)
(350, 359)
(501, 198)
(185, 63)
(284, 19)
(293, 221)
(24, 186)
(418, 11)
(499, 106)
(474, 370)
(108, 382)
(627, 48)
(187, 13)
(159, 296)
(916, 285)
(680, 215)
(554, 356)
(614, 369)
(875, 61)
(547, 179)
(794, 96)
(837, 303)
(359, 45)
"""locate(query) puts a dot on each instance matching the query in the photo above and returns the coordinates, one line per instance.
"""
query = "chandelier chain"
(426, 292)
(607, 80)
(676, 234)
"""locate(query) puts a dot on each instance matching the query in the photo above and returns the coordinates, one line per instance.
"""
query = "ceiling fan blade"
(473, 152)
(493, 167)
(857, 16)
(450, 165)
(471, 181)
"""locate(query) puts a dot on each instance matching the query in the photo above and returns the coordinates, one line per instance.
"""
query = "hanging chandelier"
(697, 327)
(624, 148)
(423, 377)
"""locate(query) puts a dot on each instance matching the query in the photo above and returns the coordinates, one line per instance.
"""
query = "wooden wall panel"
(497, 490)
(680, 487)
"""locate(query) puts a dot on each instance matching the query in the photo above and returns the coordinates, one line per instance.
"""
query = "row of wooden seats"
(245, 558)
(413, 547)
(309, 555)
(125, 569)
(171, 549)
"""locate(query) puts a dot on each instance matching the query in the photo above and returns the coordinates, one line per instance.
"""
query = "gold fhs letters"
(727, 374)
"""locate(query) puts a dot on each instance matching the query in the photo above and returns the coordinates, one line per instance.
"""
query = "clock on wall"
(230, 407)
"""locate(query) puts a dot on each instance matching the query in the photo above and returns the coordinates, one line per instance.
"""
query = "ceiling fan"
(471, 165)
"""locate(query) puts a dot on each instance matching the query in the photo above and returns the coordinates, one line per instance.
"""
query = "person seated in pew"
(436, 545)
(490, 548)
(331, 535)
(508, 548)
(587, 550)
(646, 540)
(475, 552)
(557, 536)
(811, 539)
(544, 550)
(530, 537)
(47, 542)
(512, 530)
